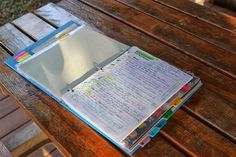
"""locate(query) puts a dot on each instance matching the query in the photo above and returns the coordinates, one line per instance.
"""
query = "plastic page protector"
(122, 95)
(60, 63)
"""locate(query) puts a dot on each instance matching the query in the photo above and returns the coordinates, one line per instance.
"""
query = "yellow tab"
(176, 102)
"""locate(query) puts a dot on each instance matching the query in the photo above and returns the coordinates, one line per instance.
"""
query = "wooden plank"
(189, 45)
(7, 106)
(43, 151)
(4, 152)
(56, 15)
(202, 13)
(21, 135)
(205, 31)
(133, 37)
(13, 39)
(197, 137)
(36, 26)
(221, 9)
(158, 147)
(55, 153)
(3, 91)
(12, 122)
(23, 149)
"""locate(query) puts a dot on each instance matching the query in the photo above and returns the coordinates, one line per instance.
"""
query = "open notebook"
(121, 91)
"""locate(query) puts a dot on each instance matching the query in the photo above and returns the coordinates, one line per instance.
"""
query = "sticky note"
(22, 56)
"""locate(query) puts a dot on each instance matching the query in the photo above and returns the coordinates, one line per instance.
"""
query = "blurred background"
(11, 9)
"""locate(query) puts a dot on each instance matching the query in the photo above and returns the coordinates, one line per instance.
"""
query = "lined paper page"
(126, 92)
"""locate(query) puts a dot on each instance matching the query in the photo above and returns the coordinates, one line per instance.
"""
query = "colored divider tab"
(161, 123)
(20, 55)
(176, 102)
(186, 87)
(145, 141)
(168, 114)
(154, 131)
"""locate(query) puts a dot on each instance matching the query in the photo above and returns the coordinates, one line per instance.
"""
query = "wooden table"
(183, 33)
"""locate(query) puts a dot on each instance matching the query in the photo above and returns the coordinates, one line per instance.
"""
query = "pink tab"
(145, 141)
(20, 55)
(186, 87)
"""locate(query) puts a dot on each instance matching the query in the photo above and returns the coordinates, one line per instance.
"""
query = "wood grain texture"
(214, 82)
(12, 122)
(56, 15)
(202, 13)
(34, 143)
(55, 153)
(197, 137)
(4, 152)
(13, 39)
(200, 29)
(189, 45)
(33, 26)
(44, 151)
(21, 135)
(7, 106)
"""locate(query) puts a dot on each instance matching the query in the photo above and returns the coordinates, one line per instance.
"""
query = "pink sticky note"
(22, 54)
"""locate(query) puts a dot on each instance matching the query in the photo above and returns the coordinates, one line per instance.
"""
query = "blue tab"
(154, 131)
(161, 123)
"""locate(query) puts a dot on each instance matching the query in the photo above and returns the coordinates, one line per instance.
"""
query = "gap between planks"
(229, 74)
(195, 16)
(178, 27)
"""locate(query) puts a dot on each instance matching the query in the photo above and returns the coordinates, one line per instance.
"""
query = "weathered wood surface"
(7, 106)
(211, 33)
(12, 121)
(201, 13)
(31, 26)
(56, 15)
(4, 152)
(194, 130)
(10, 38)
(186, 43)
(44, 151)
(31, 145)
(21, 135)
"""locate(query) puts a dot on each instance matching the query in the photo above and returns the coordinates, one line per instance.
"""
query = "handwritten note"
(126, 92)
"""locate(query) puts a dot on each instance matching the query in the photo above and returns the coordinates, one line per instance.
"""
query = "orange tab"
(176, 102)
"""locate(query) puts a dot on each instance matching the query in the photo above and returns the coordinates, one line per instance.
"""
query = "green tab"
(168, 114)
(144, 55)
